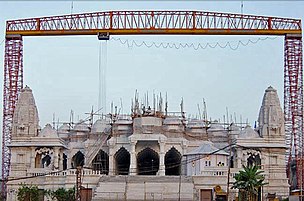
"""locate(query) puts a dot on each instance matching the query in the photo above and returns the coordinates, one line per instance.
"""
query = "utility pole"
(78, 183)
(229, 163)
(179, 187)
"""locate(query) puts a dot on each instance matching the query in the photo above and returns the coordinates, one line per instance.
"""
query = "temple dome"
(48, 131)
(81, 126)
(196, 123)
(215, 126)
(172, 121)
(100, 126)
(248, 132)
(64, 128)
(234, 127)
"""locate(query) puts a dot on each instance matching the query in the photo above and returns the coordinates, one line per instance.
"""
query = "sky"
(63, 71)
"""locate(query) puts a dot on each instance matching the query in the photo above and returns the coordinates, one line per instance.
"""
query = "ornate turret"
(271, 117)
(25, 119)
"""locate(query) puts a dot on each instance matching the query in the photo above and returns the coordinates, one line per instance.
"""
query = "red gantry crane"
(160, 23)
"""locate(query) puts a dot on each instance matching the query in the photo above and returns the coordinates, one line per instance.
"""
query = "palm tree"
(248, 181)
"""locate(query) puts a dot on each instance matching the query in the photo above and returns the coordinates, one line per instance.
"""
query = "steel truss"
(13, 83)
(293, 102)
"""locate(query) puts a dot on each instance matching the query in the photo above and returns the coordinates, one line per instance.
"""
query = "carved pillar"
(61, 160)
(56, 152)
(239, 158)
(69, 159)
(133, 166)
(111, 144)
(33, 156)
(183, 167)
(112, 169)
(161, 170)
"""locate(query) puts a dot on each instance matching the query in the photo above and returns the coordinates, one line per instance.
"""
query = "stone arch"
(173, 162)
(43, 157)
(122, 162)
(73, 152)
(176, 146)
(147, 162)
(254, 158)
(78, 159)
(101, 162)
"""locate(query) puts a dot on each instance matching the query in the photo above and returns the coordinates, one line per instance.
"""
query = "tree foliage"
(32, 193)
(248, 181)
(62, 194)
(28, 193)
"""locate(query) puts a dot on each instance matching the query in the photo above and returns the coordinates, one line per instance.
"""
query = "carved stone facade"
(148, 154)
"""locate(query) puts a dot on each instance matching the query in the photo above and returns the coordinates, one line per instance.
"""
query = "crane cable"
(102, 69)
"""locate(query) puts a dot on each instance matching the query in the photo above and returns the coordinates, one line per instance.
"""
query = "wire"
(166, 45)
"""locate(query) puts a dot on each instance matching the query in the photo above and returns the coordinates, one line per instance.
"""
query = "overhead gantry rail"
(160, 23)
(154, 22)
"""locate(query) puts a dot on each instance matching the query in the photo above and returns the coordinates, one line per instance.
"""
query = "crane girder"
(153, 22)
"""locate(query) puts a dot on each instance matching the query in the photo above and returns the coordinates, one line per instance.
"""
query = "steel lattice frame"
(293, 101)
(160, 22)
(13, 83)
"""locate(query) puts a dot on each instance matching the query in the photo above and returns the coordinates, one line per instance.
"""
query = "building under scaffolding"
(151, 154)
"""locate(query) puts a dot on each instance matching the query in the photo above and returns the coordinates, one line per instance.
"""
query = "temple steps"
(135, 188)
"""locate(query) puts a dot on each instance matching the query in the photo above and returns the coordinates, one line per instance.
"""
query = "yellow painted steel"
(155, 31)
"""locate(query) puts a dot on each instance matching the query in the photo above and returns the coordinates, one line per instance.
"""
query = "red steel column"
(293, 102)
(13, 83)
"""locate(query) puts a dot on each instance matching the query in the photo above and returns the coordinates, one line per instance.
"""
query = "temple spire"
(271, 116)
(25, 118)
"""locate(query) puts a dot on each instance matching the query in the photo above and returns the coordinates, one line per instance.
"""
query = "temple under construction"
(150, 154)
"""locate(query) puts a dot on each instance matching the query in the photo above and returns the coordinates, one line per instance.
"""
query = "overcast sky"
(63, 71)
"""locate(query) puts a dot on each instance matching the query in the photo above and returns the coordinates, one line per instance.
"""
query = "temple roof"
(81, 126)
(48, 131)
(100, 126)
(207, 148)
(248, 132)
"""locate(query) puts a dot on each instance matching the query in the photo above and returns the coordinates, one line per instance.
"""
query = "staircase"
(144, 188)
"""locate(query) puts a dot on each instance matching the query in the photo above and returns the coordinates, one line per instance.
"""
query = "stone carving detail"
(45, 151)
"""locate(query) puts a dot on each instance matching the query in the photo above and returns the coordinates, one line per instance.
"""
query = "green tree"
(28, 193)
(62, 194)
(248, 181)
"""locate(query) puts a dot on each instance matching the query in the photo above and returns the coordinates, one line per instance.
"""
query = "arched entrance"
(122, 162)
(78, 160)
(101, 162)
(46, 161)
(147, 162)
(254, 159)
(173, 162)
(65, 166)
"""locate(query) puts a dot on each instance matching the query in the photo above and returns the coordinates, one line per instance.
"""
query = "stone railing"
(214, 171)
(219, 171)
(148, 196)
(47, 172)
